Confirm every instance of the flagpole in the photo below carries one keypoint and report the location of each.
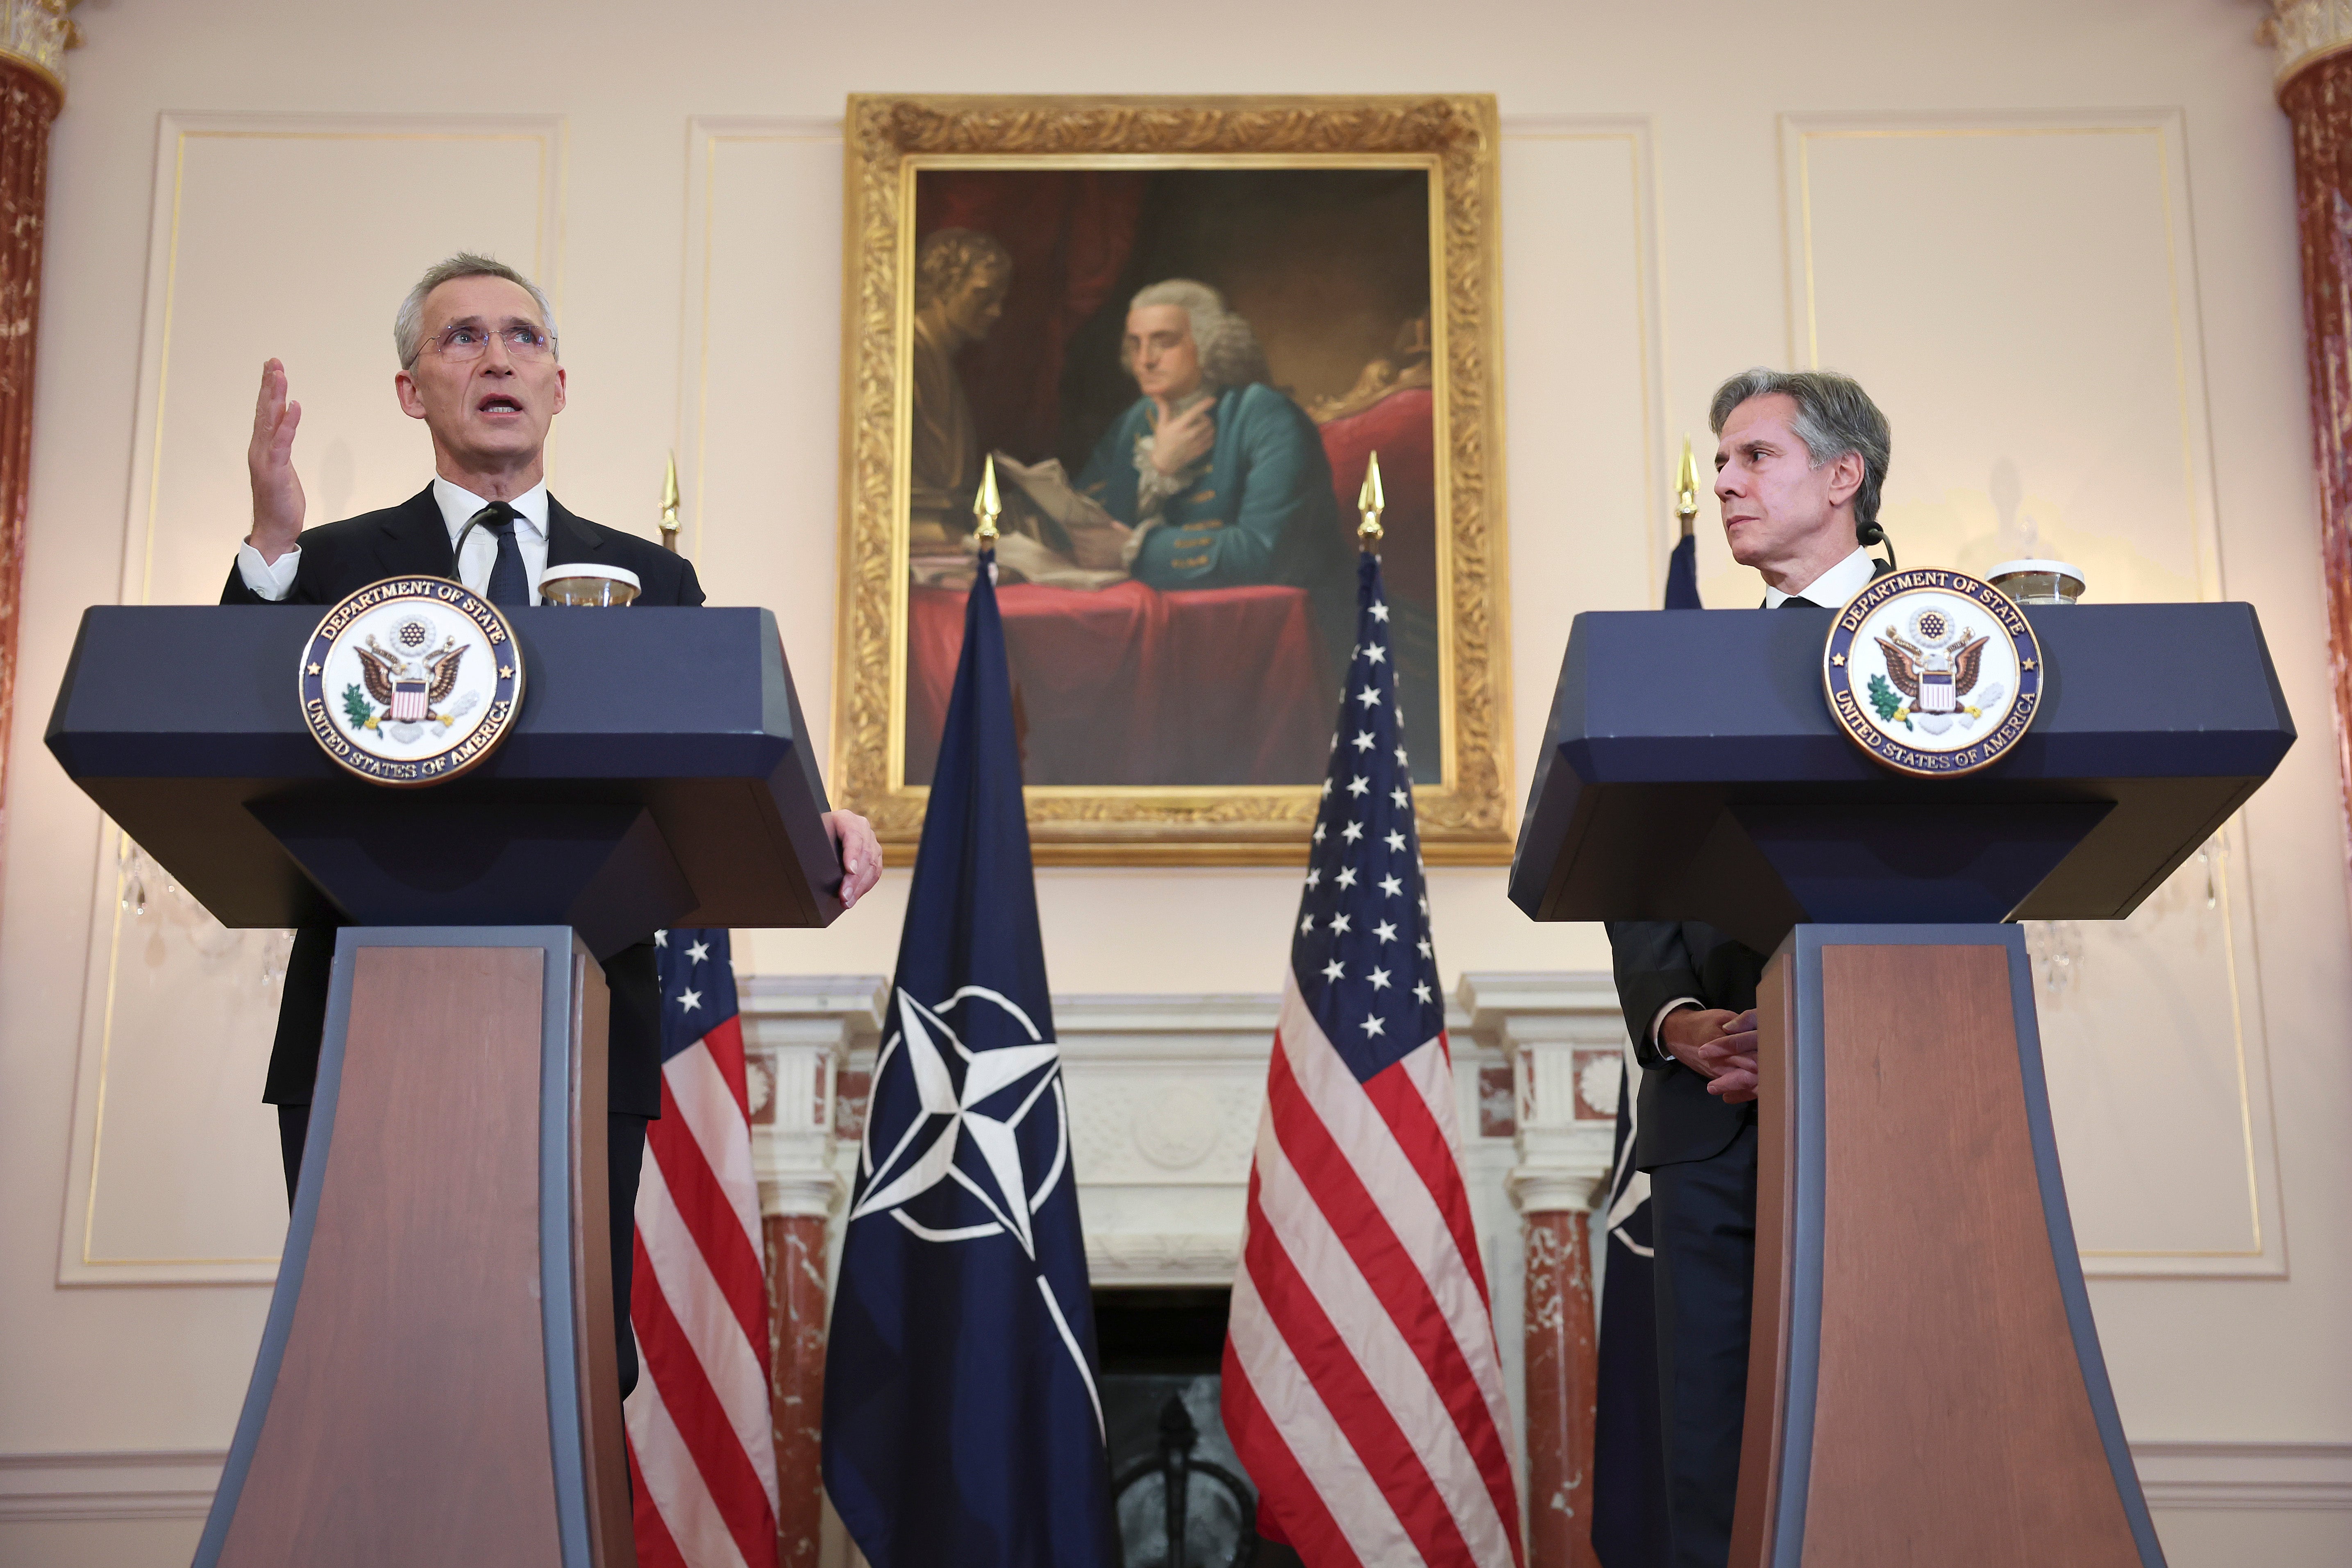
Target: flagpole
(1369, 504)
(1687, 488)
(986, 505)
(670, 506)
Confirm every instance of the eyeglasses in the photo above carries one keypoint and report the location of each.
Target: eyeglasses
(464, 343)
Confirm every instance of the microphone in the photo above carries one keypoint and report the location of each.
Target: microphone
(458, 550)
(1869, 533)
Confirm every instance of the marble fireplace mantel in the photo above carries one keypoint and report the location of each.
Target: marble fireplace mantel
(1165, 1097)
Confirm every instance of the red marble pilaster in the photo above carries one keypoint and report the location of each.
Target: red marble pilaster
(1561, 1377)
(2317, 99)
(29, 101)
(796, 1309)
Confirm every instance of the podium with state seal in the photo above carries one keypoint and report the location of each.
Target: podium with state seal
(485, 802)
(1874, 795)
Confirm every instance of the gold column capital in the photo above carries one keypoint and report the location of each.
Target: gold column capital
(36, 34)
(2301, 32)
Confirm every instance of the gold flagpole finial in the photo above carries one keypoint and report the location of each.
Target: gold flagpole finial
(1687, 487)
(670, 506)
(987, 506)
(1370, 503)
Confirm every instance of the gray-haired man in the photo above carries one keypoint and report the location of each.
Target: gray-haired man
(1799, 461)
(476, 346)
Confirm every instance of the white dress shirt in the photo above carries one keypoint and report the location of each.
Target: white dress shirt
(1832, 587)
(273, 580)
(1830, 590)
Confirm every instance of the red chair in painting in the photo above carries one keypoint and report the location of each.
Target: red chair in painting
(1401, 427)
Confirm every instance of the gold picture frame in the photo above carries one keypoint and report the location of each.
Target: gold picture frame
(1464, 815)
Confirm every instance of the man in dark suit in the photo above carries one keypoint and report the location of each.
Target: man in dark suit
(1798, 464)
(479, 365)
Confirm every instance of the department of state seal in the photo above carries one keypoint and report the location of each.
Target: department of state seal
(411, 681)
(1932, 672)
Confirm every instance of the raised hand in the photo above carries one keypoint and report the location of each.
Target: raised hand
(1179, 442)
(278, 503)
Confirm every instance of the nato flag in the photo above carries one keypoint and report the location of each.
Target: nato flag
(963, 1426)
(1629, 1464)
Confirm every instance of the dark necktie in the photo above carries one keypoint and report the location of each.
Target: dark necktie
(509, 585)
(1799, 602)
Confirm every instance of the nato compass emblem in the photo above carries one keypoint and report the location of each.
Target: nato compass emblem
(1932, 672)
(975, 1158)
(411, 681)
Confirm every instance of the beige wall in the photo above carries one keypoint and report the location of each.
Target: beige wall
(2058, 241)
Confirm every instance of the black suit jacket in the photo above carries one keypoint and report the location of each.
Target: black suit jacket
(413, 540)
(1656, 961)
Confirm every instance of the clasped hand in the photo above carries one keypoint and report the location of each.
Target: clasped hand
(1716, 1044)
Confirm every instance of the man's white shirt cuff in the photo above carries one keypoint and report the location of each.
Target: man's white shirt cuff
(1656, 1045)
(274, 579)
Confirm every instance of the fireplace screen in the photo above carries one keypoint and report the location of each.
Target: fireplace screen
(1182, 1497)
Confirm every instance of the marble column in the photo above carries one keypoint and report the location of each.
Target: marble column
(799, 1033)
(1564, 1041)
(2314, 40)
(34, 37)
(1560, 1380)
(796, 1309)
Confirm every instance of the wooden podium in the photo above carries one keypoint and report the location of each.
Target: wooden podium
(1925, 1383)
(435, 1382)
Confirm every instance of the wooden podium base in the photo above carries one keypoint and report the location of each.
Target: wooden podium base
(1925, 1386)
(435, 1382)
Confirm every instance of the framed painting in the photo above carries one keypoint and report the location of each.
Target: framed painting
(1181, 328)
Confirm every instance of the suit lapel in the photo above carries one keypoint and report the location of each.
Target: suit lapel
(416, 541)
(571, 541)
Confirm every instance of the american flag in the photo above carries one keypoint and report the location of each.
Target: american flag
(1362, 1384)
(702, 1455)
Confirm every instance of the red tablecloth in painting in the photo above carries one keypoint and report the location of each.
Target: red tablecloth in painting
(1133, 686)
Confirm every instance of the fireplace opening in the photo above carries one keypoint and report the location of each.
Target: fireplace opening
(1160, 1349)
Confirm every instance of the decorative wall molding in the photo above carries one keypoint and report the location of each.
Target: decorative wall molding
(2168, 1138)
(128, 1484)
(174, 1174)
(2307, 1477)
(2304, 1476)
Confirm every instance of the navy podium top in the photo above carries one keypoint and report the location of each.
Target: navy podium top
(1692, 771)
(659, 773)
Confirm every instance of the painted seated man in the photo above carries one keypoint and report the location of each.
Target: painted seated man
(961, 276)
(1222, 477)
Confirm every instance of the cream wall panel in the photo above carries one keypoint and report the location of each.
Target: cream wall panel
(294, 236)
(2020, 295)
(291, 237)
(176, 1175)
(1583, 411)
(2160, 1078)
(2024, 293)
(759, 384)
